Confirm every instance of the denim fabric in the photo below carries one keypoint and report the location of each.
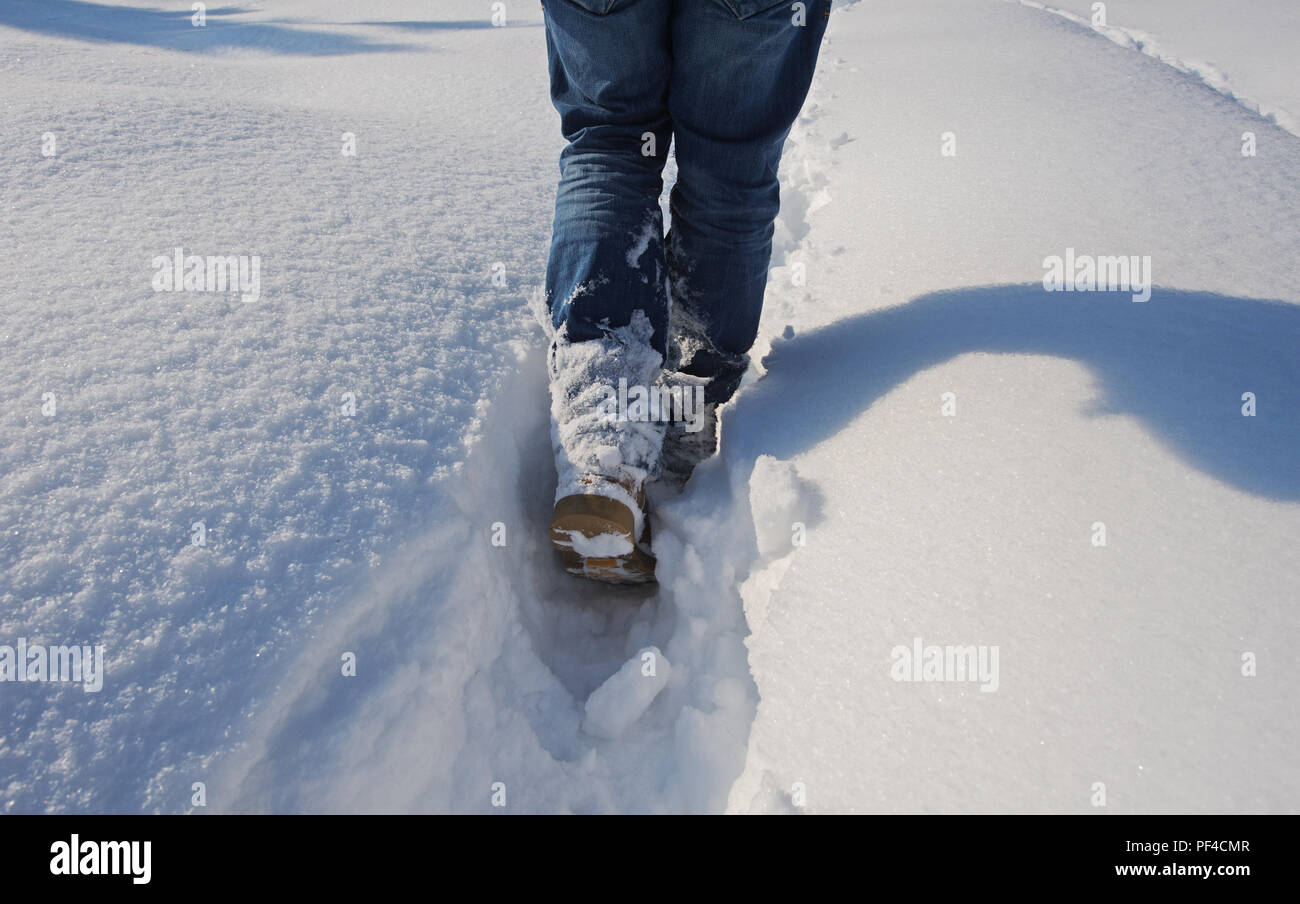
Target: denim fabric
(726, 79)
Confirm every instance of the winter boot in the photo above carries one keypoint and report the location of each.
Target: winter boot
(684, 448)
(603, 455)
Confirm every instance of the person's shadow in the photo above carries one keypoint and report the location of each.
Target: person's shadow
(172, 28)
(1180, 362)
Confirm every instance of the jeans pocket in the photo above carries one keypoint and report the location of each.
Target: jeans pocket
(599, 7)
(746, 8)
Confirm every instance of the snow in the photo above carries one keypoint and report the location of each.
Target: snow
(365, 449)
(781, 505)
(600, 546)
(1119, 664)
(1208, 38)
(617, 704)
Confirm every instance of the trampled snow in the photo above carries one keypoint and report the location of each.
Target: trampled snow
(240, 501)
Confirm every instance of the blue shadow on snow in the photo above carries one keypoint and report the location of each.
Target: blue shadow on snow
(1179, 363)
(172, 29)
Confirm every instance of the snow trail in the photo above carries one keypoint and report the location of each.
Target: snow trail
(515, 654)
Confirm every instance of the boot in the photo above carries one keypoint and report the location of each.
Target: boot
(683, 450)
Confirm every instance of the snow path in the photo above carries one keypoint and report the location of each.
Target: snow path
(483, 670)
(496, 675)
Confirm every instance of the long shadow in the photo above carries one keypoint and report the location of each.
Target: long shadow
(172, 28)
(1179, 362)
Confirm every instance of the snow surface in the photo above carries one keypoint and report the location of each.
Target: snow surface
(1244, 49)
(355, 441)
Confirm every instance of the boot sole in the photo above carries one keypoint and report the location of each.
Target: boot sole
(638, 567)
(592, 516)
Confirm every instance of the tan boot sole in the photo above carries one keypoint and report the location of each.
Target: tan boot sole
(591, 515)
(638, 567)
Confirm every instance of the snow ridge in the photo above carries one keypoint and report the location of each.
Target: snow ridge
(1213, 77)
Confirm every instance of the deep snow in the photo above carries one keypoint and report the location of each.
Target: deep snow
(355, 440)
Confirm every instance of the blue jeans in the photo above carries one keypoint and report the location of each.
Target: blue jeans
(725, 79)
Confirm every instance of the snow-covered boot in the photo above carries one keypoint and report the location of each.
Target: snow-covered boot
(696, 365)
(603, 456)
(685, 448)
(601, 535)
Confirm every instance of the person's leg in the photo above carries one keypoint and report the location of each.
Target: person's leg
(606, 280)
(609, 67)
(741, 73)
